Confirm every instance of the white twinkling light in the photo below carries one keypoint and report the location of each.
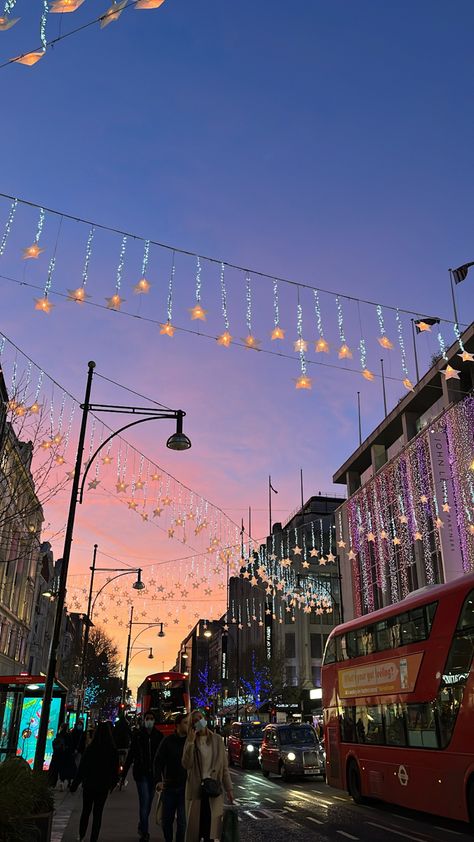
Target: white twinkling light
(276, 306)
(44, 18)
(198, 279)
(340, 320)
(118, 281)
(248, 297)
(224, 297)
(39, 228)
(8, 226)
(146, 252)
(442, 346)
(85, 270)
(170, 289)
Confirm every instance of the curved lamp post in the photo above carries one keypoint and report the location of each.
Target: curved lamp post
(177, 441)
(130, 647)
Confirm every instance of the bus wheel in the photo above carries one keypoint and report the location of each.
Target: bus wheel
(353, 782)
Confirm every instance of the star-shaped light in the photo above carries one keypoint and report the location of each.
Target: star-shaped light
(314, 552)
(139, 483)
(396, 541)
(466, 357)
(323, 560)
(446, 507)
(368, 375)
(198, 313)
(403, 519)
(35, 408)
(60, 460)
(106, 460)
(113, 13)
(341, 544)
(121, 486)
(170, 535)
(167, 329)
(300, 345)
(70, 475)
(304, 382)
(142, 287)
(20, 410)
(423, 327)
(385, 342)
(166, 501)
(46, 444)
(251, 342)
(471, 528)
(78, 295)
(7, 23)
(144, 516)
(32, 252)
(155, 477)
(371, 536)
(408, 384)
(43, 304)
(418, 536)
(345, 352)
(296, 550)
(305, 564)
(423, 498)
(149, 4)
(321, 346)
(60, 6)
(93, 484)
(450, 373)
(29, 59)
(439, 523)
(132, 504)
(384, 535)
(278, 333)
(57, 439)
(114, 302)
(224, 339)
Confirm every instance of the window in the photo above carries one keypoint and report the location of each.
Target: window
(330, 652)
(316, 645)
(395, 725)
(290, 672)
(290, 645)
(421, 725)
(369, 725)
(316, 676)
(456, 672)
(347, 721)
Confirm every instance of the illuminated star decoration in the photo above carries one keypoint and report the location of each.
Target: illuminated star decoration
(251, 342)
(278, 333)
(341, 544)
(32, 252)
(78, 295)
(114, 302)
(29, 59)
(408, 384)
(423, 498)
(143, 286)
(106, 460)
(60, 6)
(149, 4)
(224, 339)
(450, 373)
(314, 552)
(385, 342)
(93, 484)
(300, 345)
(423, 326)
(418, 536)
(368, 374)
(121, 486)
(345, 352)
(439, 523)
(132, 504)
(446, 507)
(43, 304)
(296, 550)
(167, 329)
(198, 313)
(304, 382)
(113, 13)
(7, 23)
(466, 357)
(321, 346)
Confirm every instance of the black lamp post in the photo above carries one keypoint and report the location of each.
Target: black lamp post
(177, 441)
(130, 646)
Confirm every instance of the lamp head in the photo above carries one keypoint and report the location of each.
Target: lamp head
(179, 441)
(208, 633)
(184, 655)
(138, 585)
(161, 632)
(150, 654)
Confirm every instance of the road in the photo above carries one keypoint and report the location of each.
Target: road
(277, 811)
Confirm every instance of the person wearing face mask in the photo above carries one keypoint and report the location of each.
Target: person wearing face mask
(205, 759)
(141, 755)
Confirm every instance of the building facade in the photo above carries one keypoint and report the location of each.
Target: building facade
(408, 521)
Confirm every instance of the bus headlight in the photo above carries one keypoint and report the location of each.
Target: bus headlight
(291, 755)
(250, 748)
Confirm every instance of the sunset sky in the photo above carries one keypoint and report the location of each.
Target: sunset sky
(329, 143)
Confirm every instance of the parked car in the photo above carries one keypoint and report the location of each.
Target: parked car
(291, 750)
(243, 743)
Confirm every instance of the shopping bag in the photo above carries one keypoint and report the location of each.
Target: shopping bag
(230, 826)
(159, 807)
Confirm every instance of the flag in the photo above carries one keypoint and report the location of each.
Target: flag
(425, 324)
(460, 274)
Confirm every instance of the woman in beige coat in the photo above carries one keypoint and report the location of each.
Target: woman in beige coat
(204, 756)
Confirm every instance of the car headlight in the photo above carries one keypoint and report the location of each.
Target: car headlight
(291, 755)
(250, 748)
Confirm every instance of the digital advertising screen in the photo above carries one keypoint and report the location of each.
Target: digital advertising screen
(29, 724)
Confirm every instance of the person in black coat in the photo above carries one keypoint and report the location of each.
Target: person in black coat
(141, 754)
(98, 773)
(171, 780)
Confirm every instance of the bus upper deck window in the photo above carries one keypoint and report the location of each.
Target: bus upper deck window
(330, 652)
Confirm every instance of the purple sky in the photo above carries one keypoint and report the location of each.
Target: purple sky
(329, 143)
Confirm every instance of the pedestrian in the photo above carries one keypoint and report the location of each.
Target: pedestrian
(122, 737)
(170, 775)
(205, 759)
(98, 773)
(57, 765)
(141, 755)
(66, 763)
(77, 739)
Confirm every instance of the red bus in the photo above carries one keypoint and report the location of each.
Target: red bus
(398, 697)
(166, 694)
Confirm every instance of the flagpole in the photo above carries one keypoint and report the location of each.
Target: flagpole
(383, 389)
(358, 413)
(270, 504)
(414, 350)
(454, 297)
(301, 485)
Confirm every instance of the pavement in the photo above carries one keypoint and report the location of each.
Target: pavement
(273, 811)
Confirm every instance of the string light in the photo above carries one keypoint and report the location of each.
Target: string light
(345, 352)
(80, 294)
(6, 22)
(225, 338)
(198, 312)
(167, 328)
(143, 285)
(113, 13)
(303, 381)
(250, 340)
(115, 301)
(406, 380)
(383, 339)
(277, 332)
(442, 346)
(64, 6)
(321, 346)
(44, 18)
(34, 250)
(363, 361)
(8, 226)
(44, 304)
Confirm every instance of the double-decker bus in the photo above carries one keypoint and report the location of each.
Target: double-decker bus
(398, 697)
(166, 694)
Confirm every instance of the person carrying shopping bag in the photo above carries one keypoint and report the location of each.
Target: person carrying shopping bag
(205, 759)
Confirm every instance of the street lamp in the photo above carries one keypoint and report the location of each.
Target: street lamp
(130, 646)
(148, 649)
(176, 442)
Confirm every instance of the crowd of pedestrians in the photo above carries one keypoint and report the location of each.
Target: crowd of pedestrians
(187, 768)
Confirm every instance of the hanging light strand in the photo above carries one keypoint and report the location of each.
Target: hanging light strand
(317, 310)
(39, 229)
(406, 380)
(85, 270)
(170, 289)
(224, 298)
(9, 6)
(442, 346)
(248, 297)
(44, 18)
(303, 381)
(121, 263)
(276, 306)
(8, 226)
(146, 252)
(198, 280)
(457, 333)
(340, 320)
